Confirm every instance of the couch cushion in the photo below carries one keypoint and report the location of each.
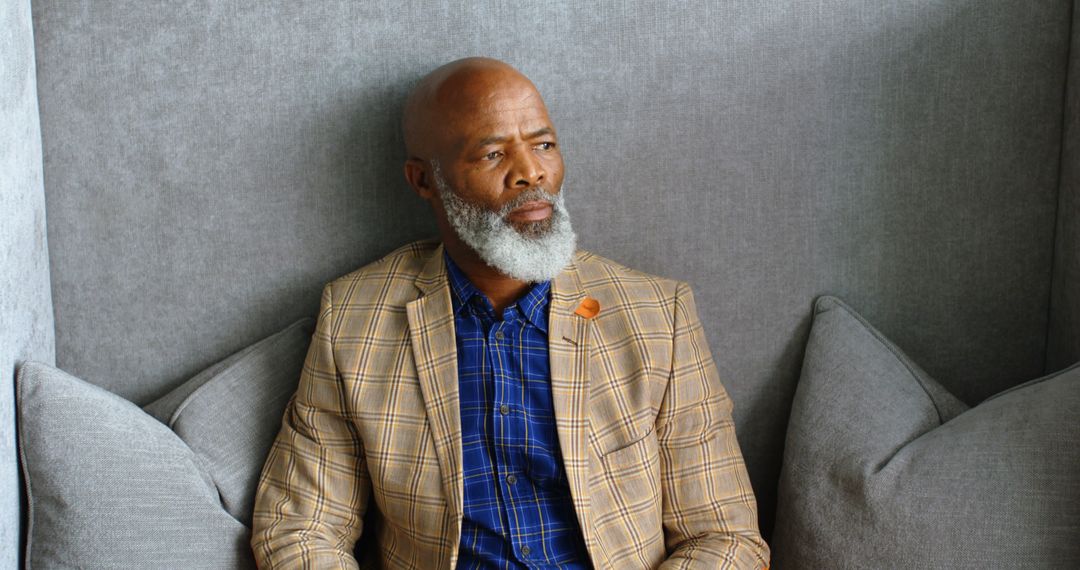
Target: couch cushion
(885, 469)
(110, 487)
(230, 413)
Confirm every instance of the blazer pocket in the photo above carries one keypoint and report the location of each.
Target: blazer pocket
(626, 496)
(642, 451)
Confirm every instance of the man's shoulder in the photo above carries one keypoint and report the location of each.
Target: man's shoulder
(394, 273)
(601, 276)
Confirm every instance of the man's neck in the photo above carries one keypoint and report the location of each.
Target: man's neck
(501, 291)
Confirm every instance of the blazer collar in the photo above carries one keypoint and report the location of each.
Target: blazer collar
(432, 276)
(569, 338)
(434, 347)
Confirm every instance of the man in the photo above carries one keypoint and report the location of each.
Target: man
(501, 400)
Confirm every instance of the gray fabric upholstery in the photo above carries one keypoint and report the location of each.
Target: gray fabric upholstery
(26, 314)
(885, 469)
(211, 166)
(1063, 342)
(111, 487)
(229, 414)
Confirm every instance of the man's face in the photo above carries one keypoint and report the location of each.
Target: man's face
(499, 143)
(499, 181)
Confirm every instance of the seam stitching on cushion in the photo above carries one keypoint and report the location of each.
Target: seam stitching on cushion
(1039, 380)
(897, 353)
(268, 341)
(1069, 81)
(23, 464)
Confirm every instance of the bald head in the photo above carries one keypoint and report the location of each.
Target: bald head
(450, 97)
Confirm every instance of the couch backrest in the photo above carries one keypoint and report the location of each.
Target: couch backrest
(26, 312)
(1063, 342)
(209, 167)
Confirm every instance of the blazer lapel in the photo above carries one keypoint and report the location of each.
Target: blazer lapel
(568, 352)
(431, 330)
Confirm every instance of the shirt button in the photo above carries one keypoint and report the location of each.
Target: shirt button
(525, 550)
(511, 479)
(498, 335)
(504, 409)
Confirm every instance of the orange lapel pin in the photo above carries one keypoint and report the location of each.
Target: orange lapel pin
(588, 308)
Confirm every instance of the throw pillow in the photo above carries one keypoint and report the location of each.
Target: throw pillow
(230, 414)
(125, 491)
(883, 468)
(108, 486)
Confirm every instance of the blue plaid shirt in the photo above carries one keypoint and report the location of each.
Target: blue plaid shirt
(518, 511)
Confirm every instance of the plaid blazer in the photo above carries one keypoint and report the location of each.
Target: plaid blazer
(644, 426)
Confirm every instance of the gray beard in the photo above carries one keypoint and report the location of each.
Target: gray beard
(531, 252)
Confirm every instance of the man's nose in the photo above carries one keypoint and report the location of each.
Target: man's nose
(526, 170)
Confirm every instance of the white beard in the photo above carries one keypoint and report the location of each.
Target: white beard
(537, 252)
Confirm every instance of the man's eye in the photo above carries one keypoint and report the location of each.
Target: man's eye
(492, 155)
(546, 145)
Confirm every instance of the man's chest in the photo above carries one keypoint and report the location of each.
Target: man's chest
(625, 377)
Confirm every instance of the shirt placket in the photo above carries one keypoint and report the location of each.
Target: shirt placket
(509, 428)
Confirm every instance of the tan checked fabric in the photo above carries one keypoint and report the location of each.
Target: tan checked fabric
(645, 426)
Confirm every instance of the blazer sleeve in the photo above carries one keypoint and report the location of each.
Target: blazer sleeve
(709, 510)
(314, 487)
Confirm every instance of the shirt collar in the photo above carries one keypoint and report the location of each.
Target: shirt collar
(533, 304)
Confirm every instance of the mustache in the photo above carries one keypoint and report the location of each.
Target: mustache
(534, 194)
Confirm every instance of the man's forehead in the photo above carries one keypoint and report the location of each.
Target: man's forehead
(486, 123)
(469, 100)
(487, 91)
(498, 112)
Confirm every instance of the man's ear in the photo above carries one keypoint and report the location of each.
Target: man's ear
(419, 177)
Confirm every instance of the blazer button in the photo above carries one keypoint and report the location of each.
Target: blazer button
(504, 409)
(511, 479)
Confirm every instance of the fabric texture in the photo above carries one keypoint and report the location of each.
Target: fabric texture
(26, 308)
(517, 506)
(644, 425)
(229, 414)
(883, 468)
(1063, 342)
(109, 486)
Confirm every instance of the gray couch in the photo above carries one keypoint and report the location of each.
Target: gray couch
(178, 180)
